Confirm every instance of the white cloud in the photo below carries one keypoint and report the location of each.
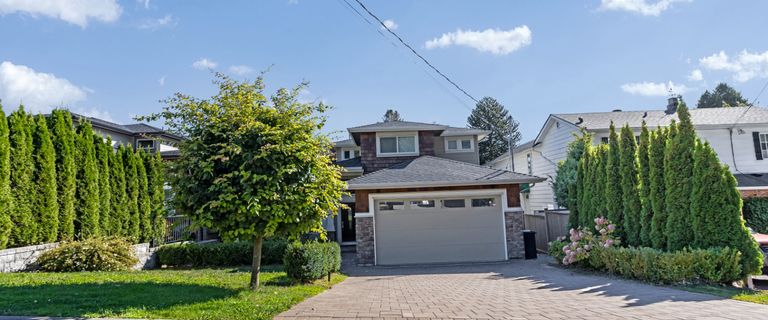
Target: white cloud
(746, 66)
(77, 12)
(167, 21)
(145, 3)
(204, 64)
(94, 112)
(643, 7)
(696, 75)
(240, 70)
(38, 91)
(161, 81)
(390, 24)
(499, 42)
(653, 89)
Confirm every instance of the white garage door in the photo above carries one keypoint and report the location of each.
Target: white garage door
(439, 230)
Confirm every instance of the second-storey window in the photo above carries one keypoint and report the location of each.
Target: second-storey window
(529, 159)
(398, 144)
(463, 144)
(764, 144)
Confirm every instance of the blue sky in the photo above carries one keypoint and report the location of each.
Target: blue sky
(117, 58)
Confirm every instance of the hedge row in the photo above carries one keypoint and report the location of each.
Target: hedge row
(59, 182)
(312, 260)
(756, 214)
(220, 254)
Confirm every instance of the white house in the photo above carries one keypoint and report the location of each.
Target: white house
(739, 135)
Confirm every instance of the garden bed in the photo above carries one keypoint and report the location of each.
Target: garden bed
(167, 294)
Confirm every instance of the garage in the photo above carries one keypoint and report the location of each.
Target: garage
(419, 230)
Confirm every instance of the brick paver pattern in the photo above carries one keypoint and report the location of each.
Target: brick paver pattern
(517, 289)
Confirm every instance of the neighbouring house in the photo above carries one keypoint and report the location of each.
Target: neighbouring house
(137, 135)
(739, 135)
(419, 195)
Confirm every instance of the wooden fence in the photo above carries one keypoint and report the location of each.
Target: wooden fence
(549, 225)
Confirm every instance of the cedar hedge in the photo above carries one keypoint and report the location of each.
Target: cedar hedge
(227, 254)
(756, 214)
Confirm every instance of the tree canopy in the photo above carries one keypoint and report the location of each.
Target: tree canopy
(252, 166)
(392, 115)
(722, 97)
(490, 115)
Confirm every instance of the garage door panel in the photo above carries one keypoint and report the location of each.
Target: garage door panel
(438, 236)
(439, 254)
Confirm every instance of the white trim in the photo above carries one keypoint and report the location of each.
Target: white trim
(458, 140)
(363, 215)
(366, 186)
(396, 134)
(752, 188)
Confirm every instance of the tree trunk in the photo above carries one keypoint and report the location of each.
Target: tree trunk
(256, 265)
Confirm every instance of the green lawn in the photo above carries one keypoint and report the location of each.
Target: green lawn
(760, 297)
(168, 294)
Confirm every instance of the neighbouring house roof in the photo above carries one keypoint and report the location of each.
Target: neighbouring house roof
(453, 131)
(429, 171)
(654, 118)
(136, 129)
(345, 143)
(752, 180)
(170, 154)
(518, 148)
(350, 163)
(397, 126)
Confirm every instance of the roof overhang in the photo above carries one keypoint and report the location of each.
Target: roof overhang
(408, 128)
(426, 184)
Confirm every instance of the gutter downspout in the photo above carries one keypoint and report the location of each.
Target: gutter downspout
(733, 154)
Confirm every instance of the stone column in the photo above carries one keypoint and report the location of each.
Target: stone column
(364, 235)
(513, 221)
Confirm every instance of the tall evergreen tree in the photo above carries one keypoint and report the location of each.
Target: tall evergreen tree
(678, 172)
(391, 115)
(597, 179)
(22, 172)
(490, 115)
(103, 150)
(6, 200)
(156, 178)
(613, 192)
(87, 206)
(565, 180)
(644, 162)
(657, 157)
(587, 187)
(118, 207)
(132, 194)
(145, 206)
(46, 204)
(63, 136)
(629, 186)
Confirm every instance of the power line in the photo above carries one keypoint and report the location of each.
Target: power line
(414, 51)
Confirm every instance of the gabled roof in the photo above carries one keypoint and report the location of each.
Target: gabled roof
(127, 129)
(397, 126)
(454, 131)
(429, 171)
(748, 180)
(654, 118)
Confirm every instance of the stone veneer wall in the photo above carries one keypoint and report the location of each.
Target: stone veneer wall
(513, 221)
(24, 258)
(364, 236)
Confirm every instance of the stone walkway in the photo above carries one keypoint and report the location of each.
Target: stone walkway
(517, 289)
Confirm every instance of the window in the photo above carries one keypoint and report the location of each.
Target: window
(604, 140)
(346, 155)
(357, 153)
(462, 144)
(422, 204)
(398, 144)
(529, 159)
(453, 203)
(349, 153)
(391, 205)
(484, 202)
(764, 144)
(145, 144)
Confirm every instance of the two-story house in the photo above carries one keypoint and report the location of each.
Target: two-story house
(137, 136)
(419, 195)
(739, 135)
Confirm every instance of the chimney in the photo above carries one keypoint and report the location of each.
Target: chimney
(671, 105)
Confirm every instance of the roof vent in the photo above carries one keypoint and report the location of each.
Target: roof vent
(616, 110)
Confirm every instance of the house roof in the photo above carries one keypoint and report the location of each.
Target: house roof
(143, 128)
(429, 171)
(344, 143)
(350, 163)
(397, 126)
(655, 118)
(518, 148)
(128, 129)
(747, 180)
(454, 131)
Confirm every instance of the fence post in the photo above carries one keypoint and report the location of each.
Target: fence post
(546, 226)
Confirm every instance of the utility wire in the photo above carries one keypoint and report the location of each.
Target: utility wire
(415, 52)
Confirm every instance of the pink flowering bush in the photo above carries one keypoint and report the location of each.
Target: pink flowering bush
(583, 241)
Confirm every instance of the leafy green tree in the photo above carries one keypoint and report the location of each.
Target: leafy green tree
(87, 199)
(657, 155)
(133, 224)
(6, 200)
(722, 97)
(103, 150)
(490, 115)
(565, 180)
(391, 115)
(63, 136)
(22, 172)
(117, 205)
(629, 186)
(678, 172)
(145, 206)
(613, 192)
(644, 162)
(253, 166)
(46, 204)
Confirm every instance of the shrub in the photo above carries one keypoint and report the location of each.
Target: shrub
(96, 254)
(716, 265)
(756, 214)
(219, 254)
(583, 241)
(556, 249)
(309, 261)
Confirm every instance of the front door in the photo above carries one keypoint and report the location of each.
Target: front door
(348, 224)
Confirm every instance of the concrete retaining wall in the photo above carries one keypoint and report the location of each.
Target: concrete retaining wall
(24, 258)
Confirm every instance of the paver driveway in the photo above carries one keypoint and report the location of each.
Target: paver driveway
(517, 289)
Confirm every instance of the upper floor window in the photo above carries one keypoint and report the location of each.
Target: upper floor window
(604, 140)
(529, 159)
(461, 144)
(397, 144)
(145, 144)
(764, 144)
(349, 153)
